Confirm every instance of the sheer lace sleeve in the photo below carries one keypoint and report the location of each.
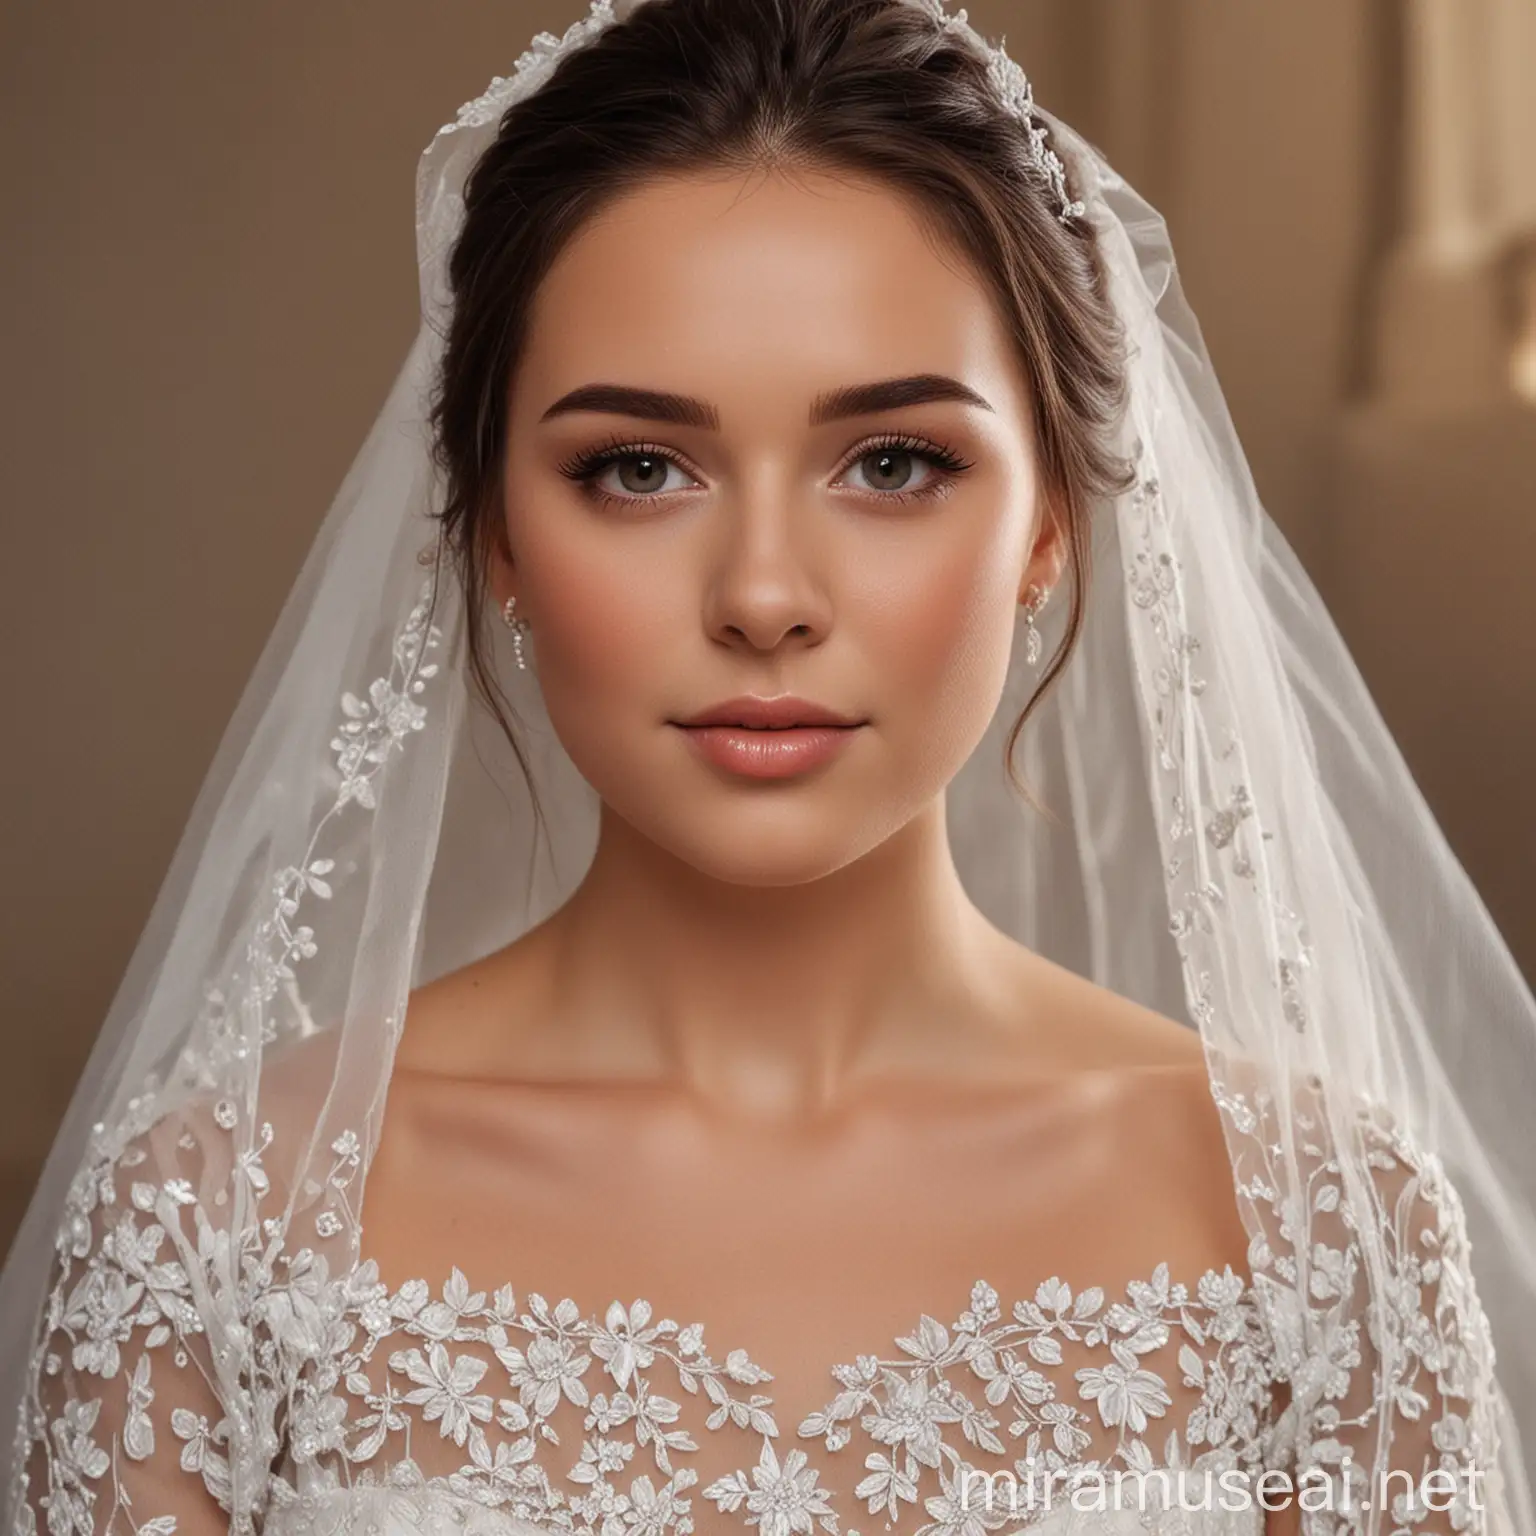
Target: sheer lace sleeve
(1387, 1379)
(145, 1413)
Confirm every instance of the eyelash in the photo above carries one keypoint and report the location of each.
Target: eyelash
(946, 461)
(585, 468)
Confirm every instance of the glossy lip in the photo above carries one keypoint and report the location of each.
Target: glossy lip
(759, 738)
(784, 713)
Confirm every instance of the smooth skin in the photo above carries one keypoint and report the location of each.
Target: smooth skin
(769, 1067)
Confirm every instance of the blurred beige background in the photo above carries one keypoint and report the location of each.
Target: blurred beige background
(208, 280)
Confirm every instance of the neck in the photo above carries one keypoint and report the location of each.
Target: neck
(770, 997)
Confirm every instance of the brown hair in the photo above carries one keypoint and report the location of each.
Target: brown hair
(875, 87)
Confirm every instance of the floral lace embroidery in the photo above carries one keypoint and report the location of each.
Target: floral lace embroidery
(238, 1014)
(1423, 1362)
(547, 1354)
(534, 66)
(902, 1403)
(1387, 1372)
(1017, 94)
(114, 1284)
(338, 1379)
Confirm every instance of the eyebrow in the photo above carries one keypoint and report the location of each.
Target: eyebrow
(649, 404)
(835, 405)
(891, 395)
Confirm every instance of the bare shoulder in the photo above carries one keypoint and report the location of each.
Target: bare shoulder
(1156, 1170)
(1073, 1022)
(1135, 1120)
(1158, 1091)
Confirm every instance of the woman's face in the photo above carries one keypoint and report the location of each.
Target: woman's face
(772, 502)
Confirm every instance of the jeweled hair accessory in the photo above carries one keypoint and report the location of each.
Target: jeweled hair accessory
(1017, 95)
(1012, 86)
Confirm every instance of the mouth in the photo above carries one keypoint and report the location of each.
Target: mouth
(760, 738)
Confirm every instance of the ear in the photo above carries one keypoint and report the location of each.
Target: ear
(500, 579)
(500, 570)
(1048, 559)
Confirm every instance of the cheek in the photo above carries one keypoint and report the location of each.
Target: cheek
(962, 625)
(603, 606)
(946, 629)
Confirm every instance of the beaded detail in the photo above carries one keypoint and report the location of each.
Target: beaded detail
(176, 1346)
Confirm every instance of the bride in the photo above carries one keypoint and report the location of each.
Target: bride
(810, 844)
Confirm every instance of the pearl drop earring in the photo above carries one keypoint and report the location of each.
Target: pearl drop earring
(1034, 642)
(519, 628)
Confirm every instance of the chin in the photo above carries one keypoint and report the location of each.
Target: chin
(772, 846)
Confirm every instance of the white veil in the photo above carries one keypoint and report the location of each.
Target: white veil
(1235, 840)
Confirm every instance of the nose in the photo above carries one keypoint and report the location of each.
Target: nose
(767, 589)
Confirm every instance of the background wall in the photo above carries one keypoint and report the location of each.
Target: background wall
(208, 281)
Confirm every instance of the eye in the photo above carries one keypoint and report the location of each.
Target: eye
(629, 472)
(903, 467)
(893, 469)
(641, 474)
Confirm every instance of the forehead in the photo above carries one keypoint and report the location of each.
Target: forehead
(795, 282)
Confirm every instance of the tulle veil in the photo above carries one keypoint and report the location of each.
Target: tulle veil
(1236, 841)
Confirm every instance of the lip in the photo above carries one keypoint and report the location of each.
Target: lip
(784, 713)
(759, 738)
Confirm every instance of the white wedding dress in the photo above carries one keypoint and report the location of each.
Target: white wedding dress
(202, 1368)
